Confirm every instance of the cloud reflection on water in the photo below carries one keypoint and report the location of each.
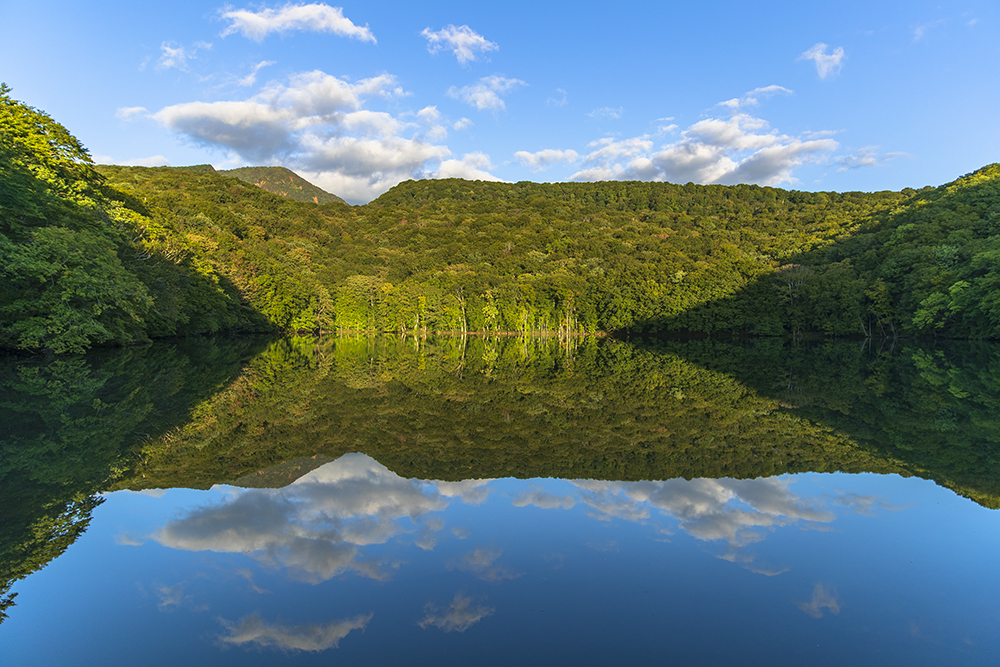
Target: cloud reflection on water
(256, 631)
(318, 526)
(459, 617)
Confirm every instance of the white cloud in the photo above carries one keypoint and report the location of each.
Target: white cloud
(316, 17)
(314, 637)
(128, 113)
(471, 167)
(545, 158)
(318, 125)
(463, 41)
(826, 63)
(177, 57)
(753, 98)
(459, 617)
(735, 148)
(431, 119)
(865, 157)
(607, 112)
(559, 100)
(462, 124)
(251, 78)
(485, 94)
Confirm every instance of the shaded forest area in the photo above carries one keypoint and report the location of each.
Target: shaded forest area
(98, 255)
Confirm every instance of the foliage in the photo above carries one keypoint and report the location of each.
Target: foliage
(480, 407)
(114, 255)
(284, 182)
(927, 267)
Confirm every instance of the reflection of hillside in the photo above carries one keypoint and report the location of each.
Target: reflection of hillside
(460, 408)
(934, 409)
(69, 426)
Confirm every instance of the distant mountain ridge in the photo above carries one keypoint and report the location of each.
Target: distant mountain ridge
(284, 182)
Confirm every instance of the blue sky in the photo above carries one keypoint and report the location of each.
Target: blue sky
(357, 96)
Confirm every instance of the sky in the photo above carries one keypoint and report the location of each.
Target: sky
(359, 96)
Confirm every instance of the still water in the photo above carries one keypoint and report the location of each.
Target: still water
(499, 501)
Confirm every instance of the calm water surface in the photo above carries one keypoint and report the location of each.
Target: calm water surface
(377, 501)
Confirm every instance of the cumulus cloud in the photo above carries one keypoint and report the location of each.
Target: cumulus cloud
(318, 125)
(735, 147)
(315, 527)
(485, 93)
(459, 617)
(315, 637)
(545, 158)
(472, 167)
(177, 56)
(462, 124)
(251, 78)
(431, 118)
(463, 41)
(316, 17)
(826, 63)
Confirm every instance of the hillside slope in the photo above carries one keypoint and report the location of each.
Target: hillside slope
(284, 182)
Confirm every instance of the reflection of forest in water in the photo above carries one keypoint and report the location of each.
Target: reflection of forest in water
(263, 413)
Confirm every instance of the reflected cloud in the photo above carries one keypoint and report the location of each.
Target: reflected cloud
(822, 599)
(313, 637)
(315, 526)
(538, 497)
(865, 505)
(248, 575)
(481, 563)
(171, 596)
(708, 509)
(459, 617)
(469, 491)
(426, 538)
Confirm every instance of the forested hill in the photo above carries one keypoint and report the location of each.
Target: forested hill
(284, 182)
(113, 255)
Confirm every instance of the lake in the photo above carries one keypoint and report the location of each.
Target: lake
(400, 500)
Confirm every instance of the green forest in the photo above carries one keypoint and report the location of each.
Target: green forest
(108, 255)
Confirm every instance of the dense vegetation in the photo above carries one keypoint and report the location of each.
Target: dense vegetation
(477, 407)
(284, 182)
(97, 255)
